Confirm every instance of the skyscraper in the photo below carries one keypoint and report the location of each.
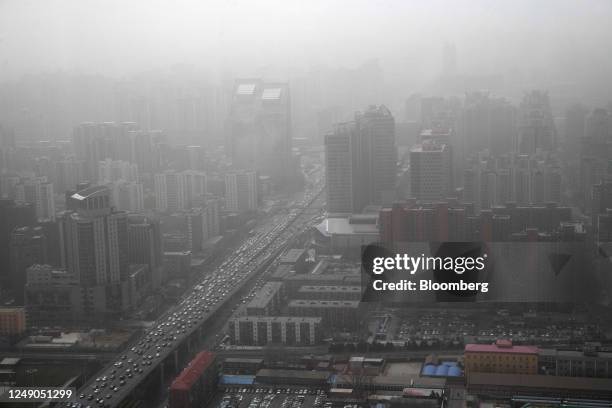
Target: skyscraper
(114, 170)
(241, 191)
(27, 247)
(94, 239)
(68, 173)
(536, 126)
(93, 142)
(376, 128)
(179, 190)
(361, 161)
(259, 128)
(341, 164)
(430, 171)
(169, 191)
(145, 245)
(12, 215)
(39, 192)
(127, 196)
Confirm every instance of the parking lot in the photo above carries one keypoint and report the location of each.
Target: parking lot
(271, 397)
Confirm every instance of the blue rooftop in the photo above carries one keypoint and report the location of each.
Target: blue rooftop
(237, 380)
(444, 369)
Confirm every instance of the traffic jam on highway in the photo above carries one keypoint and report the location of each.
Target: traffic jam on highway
(116, 380)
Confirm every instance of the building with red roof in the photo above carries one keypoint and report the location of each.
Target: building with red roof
(500, 357)
(196, 384)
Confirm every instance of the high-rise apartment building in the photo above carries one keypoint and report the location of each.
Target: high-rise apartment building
(114, 170)
(176, 191)
(536, 127)
(430, 171)
(241, 191)
(487, 123)
(12, 215)
(94, 239)
(145, 245)
(39, 192)
(68, 173)
(524, 179)
(127, 196)
(93, 142)
(28, 246)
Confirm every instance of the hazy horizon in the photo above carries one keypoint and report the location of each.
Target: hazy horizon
(561, 41)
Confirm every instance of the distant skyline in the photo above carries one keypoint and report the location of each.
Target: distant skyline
(555, 39)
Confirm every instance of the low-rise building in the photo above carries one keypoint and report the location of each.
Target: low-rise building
(339, 314)
(500, 357)
(573, 363)
(12, 321)
(336, 292)
(267, 300)
(262, 330)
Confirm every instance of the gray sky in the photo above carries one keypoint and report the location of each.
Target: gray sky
(118, 37)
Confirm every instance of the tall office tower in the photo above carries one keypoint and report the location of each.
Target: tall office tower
(430, 171)
(127, 196)
(376, 129)
(12, 215)
(170, 191)
(596, 152)
(487, 123)
(341, 163)
(213, 219)
(114, 170)
(241, 191)
(259, 128)
(361, 161)
(93, 142)
(28, 246)
(39, 192)
(94, 239)
(536, 127)
(68, 173)
(145, 245)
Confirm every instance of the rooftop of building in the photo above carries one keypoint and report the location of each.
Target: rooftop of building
(575, 354)
(332, 289)
(353, 304)
(193, 371)
(500, 346)
(265, 295)
(280, 319)
(293, 255)
(90, 192)
(348, 278)
(539, 381)
(301, 374)
(428, 146)
(344, 226)
(243, 360)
